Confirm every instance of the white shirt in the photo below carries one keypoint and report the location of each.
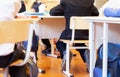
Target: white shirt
(42, 8)
(9, 9)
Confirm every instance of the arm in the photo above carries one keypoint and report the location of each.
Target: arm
(11, 8)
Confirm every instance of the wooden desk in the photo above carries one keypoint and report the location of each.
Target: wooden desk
(50, 26)
(106, 27)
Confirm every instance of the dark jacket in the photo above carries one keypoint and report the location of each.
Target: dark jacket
(75, 8)
(57, 11)
(36, 5)
(23, 7)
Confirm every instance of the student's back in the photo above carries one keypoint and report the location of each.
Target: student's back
(76, 8)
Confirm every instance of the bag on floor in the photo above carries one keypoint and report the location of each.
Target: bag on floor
(113, 61)
(31, 69)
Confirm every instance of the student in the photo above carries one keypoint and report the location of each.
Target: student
(70, 8)
(8, 52)
(35, 5)
(23, 7)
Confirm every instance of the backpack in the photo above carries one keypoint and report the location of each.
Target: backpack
(113, 61)
(31, 68)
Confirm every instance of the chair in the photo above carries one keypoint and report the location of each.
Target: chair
(13, 31)
(76, 23)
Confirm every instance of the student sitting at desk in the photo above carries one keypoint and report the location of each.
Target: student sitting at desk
(8, 52)
(70, 8)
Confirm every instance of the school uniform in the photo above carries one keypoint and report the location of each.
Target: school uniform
(74, 8)
(7, 52)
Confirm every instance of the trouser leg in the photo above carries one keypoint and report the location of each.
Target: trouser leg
(18, 71)
(5, 61)
(81, 51)
(46, 42)
(61, 47)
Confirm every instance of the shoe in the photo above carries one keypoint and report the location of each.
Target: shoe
(87, 59)
(64, 61)
(46, 51)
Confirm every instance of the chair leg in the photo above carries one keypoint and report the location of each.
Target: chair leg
(67, 71)
(6, 72)
(34, 59)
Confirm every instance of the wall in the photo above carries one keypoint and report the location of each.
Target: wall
(51, 4)
(99, 3)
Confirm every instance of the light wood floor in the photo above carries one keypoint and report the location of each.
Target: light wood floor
(53, 66)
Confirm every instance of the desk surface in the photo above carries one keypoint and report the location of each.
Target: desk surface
(103, 19)
(114, 26)
(48, 26)
(51, 16)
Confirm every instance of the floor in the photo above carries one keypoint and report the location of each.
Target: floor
(53, 65)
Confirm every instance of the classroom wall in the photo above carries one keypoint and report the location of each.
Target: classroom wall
(99, 3)
(52, 3)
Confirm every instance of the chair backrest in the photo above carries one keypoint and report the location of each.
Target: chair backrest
(17, 30)
(77, 23)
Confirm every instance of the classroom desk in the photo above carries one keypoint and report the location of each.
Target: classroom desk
(50, 26)
(102, 30)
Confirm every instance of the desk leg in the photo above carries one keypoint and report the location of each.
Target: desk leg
(92, 48)
(52, 50)
(105, 49)
(35, 28)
